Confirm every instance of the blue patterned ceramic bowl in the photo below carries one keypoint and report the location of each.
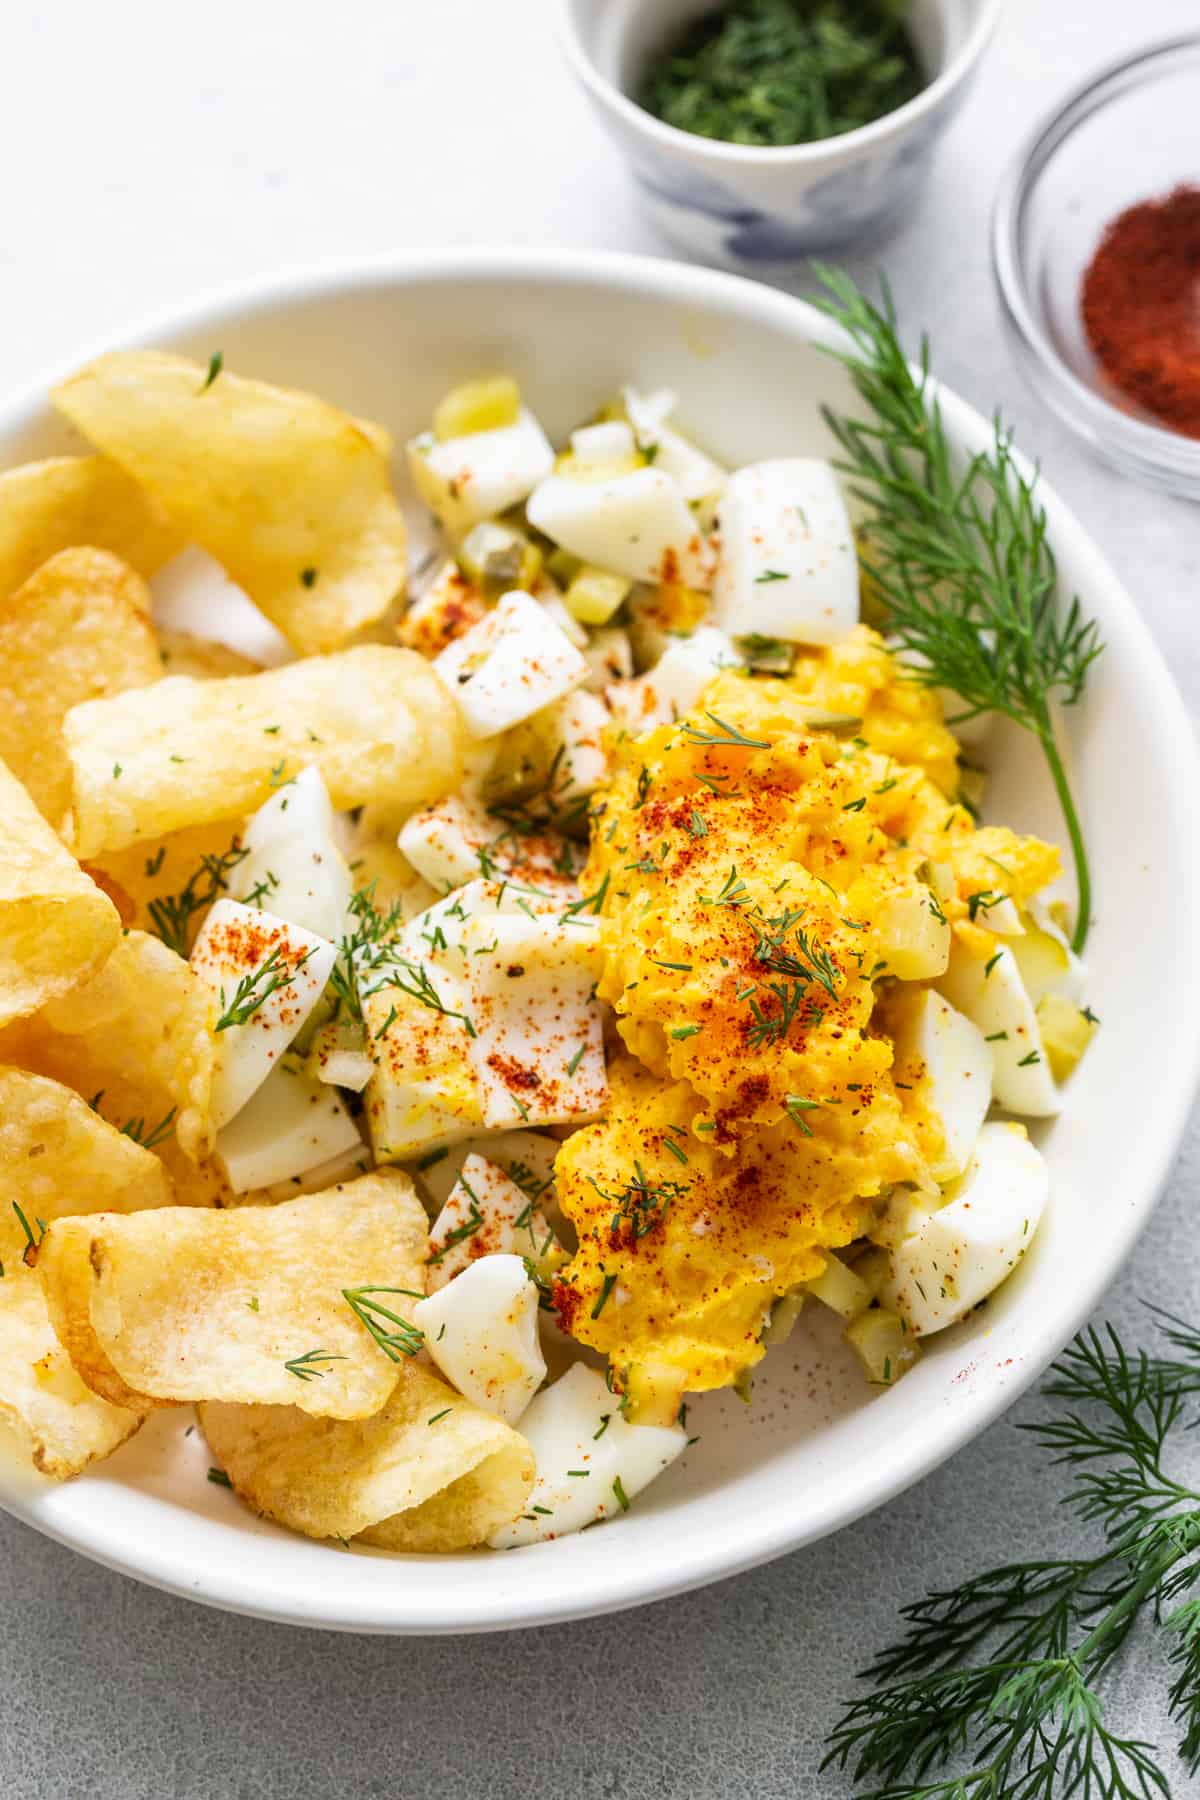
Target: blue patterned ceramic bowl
(738, 205)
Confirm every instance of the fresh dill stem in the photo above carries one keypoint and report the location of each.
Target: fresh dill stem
(149, 1139)
(995, 1690)
(171, 915)
(305, 1367)
(255, 989)
(959, 555)
(395, 1336)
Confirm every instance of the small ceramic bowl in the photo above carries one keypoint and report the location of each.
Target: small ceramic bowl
(740, 205)
(1128, 134)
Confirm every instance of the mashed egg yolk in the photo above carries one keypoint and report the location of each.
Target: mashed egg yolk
(763, 870)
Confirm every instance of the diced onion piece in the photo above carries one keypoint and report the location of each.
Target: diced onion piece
(637, 525)
(241, 947)
(993, 996)
(883, 1344)
(338, 1056)
(488, 404)
(787, 566)
(481, 1330)
(293, 865)
(951, 1259)
(590, 1462)
(509, 666)
(476, 475)
(292, 1125)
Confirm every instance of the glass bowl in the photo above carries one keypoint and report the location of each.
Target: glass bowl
(1128, 135)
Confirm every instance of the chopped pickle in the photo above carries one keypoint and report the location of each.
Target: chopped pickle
(883, 1346)
(840, 1288)
(484, 405)
(784, 1313)
(562, 567)
(872, 1268)
(766, 655)
(608, 468)
(594, 595)
(1066, 1033)
(496, 558)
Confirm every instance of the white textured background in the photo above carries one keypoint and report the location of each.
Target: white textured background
(148, 151)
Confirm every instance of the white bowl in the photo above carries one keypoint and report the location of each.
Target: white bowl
(816, 1448)
(738, 204)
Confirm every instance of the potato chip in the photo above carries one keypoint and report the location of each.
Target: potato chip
(56, 927)
(78, 629)
(55, 505)
(64, 1269)
(428, 1472)
(61, 1424)
(136, 1038)
(163, 885)
(204, 658)
(247, 1305)
(291, 496)
(58, 1157)
(375, 720)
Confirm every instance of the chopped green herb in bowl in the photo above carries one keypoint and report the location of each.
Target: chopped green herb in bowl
(781, 72)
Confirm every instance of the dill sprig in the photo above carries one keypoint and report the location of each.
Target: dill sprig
(395, 1336)
(359, 949)
(959, 555)
(639, 1204)
(149, 1137)
(996, 1691)
(171, 915)
(255, 989)
(304, 1368)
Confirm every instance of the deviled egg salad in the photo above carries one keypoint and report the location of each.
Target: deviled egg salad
(705, 997)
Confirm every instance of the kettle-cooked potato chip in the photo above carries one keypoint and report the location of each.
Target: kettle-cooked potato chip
(291, 496)
(375, 720)
(428, 1472)
(61, 1423)
(204, 658)
(58, 1157)
(136, 1039)
(78, 629)
(54, 505)
(56, 926)
(163, 885)
(247, 1305)
(64, 1269)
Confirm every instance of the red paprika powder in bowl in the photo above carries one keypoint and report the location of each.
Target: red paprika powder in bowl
(1096, 251)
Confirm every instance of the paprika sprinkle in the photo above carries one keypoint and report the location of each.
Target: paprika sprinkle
(1141, 307)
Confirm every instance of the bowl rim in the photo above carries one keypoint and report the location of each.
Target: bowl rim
(1148, 451)
(509, 1602)
(800, 156)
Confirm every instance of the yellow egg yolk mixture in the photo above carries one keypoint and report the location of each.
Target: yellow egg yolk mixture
(765, 871)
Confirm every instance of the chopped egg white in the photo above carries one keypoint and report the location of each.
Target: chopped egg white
(485, 1214)
(508, 667)
(266, 976)
(481, 1329)
(291, 1125)
(637, 525)
(293, 865)
(993, 996)
(457, 840)
(950, 1259)
(464, 480)
(698, 477)
(605, 443)
(957, 1065)
(787, 566)
(526, 1157)
(675, 683)
(482, 1018)
(590, 1462)
(609, 657)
